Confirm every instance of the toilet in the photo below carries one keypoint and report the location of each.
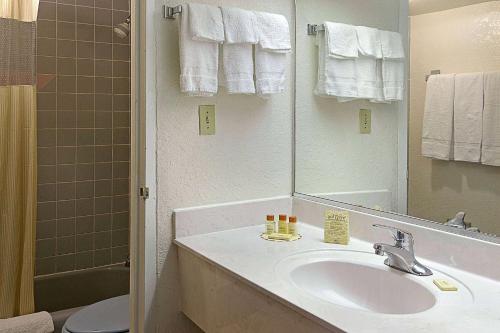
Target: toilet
(108, 316)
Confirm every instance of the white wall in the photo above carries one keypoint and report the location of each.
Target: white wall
(331, 154)
(249, 157)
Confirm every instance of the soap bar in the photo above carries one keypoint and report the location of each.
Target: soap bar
(279, 236)
(444, 285)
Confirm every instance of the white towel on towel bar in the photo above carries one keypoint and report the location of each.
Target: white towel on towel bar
(392, 45)
(199, 61)
(270, 71)
(273, 32)
(369, 43)
(490, 153)
(205, 23)
(270, 53)
(468, 117)
(239, 26)
(238, 68)
(237, 51)
(393, 65)
(341, 40)
(336, 77)
(437, 126)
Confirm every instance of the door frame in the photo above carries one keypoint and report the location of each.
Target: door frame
(143, 240)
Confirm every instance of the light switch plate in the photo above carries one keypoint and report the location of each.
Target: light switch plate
(365, 121)
(207, 119)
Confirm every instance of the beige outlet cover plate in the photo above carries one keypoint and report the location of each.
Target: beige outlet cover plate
(365, 121)
(207, 119)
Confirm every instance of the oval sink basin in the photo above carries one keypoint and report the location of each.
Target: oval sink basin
(360, 281)
(363, 287)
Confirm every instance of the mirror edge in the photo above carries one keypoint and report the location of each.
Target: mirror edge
(389, 215)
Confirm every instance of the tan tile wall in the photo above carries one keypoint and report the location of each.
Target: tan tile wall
(83, 135)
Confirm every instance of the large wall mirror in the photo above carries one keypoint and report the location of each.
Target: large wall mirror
(407, 120)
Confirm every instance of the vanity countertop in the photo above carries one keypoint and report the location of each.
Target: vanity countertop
(243, 254)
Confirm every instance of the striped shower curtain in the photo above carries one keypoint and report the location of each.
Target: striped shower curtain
(17, 155)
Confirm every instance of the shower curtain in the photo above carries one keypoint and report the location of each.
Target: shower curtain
(17, 155)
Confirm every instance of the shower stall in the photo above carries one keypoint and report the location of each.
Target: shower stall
(65, 152)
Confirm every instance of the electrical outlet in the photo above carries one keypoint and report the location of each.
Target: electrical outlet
(365, 121)
(207, 119)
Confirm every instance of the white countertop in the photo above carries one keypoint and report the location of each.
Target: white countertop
(243, 254)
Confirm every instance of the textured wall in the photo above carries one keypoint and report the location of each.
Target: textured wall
(249, 157)
(459, 40)
(331, 154)
(83, 135)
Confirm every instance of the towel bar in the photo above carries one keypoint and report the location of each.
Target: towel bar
(433, 72)
(312, 29)
(170, 12)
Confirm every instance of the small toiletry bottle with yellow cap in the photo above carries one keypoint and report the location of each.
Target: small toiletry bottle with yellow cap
(270, 224)
(282, 225)
(292, 226)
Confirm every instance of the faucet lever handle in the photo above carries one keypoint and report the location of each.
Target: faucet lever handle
(400, 236)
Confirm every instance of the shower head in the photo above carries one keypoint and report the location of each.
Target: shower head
(122, 30)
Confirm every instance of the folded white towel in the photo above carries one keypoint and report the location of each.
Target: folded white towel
(40, 322)
(490, 154)
(273, 32)
(336, 77)
(237, 63)
(270, 70)
(393, 79)
(393, 66)
(237, 51)
(199, 61)
(369, 43)
(438, 117)
(468, 117)
(239, 26)
(205, 23)
(379, 96)
(368, 82)
(341, 40)
(392, 45)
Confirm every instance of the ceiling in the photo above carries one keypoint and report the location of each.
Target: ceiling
(418, 7)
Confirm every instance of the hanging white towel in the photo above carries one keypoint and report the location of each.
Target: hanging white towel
(393, 65)
(379, 95)
(205, 23)
(239, 26)
(199, 61)
(468, 117)
(336, 77)
(369, 43)
(341, 40)
(237, 50)
(270, 71)
(438, 117)
(273, 32)
(393, 79)
(490, 154)
(237, 63)
(270, 53)
(392, 45)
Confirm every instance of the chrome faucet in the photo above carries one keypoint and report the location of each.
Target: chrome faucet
(400, 255)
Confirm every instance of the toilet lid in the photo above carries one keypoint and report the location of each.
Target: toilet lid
(108, 316)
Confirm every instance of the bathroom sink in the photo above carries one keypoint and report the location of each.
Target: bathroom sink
(360, 281)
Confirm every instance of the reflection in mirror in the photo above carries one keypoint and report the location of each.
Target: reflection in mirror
(374, 128)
